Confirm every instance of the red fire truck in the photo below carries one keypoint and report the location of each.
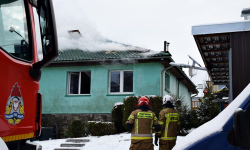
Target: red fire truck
(20, 68)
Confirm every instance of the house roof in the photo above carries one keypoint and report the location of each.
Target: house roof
(213, 42)
(80, 55)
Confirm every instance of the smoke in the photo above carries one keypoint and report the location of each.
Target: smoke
(75, 19)
(71, 16)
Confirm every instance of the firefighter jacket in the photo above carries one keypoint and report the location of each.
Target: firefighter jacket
(143, 122)
(170, 124)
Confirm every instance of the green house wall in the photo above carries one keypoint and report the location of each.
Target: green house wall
(181, 91)
(53, 86)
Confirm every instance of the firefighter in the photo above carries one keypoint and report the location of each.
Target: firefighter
(169, 120)
(142, 121)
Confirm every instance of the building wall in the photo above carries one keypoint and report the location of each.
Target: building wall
(240, 61)
(53, 86)
(183, 90)
(185, 95)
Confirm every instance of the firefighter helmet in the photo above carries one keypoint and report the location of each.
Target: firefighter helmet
(144, 101)
(166, 99)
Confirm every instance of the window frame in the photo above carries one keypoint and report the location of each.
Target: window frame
(199, 86)
(121, 82)
(79, 82)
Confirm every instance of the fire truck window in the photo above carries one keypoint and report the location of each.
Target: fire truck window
(14, 37)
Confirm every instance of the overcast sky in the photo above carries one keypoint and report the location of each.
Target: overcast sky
(145, 23)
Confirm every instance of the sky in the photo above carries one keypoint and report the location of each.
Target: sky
(142, 23)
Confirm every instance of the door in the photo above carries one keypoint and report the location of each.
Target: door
(18, 91)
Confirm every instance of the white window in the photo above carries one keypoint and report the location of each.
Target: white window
(79, 83)
(121, 82)
(200, 86)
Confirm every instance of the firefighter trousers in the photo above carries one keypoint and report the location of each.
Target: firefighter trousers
(142, 146)
(166, 145)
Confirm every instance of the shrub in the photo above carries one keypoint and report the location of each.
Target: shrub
(101, 128)
(117, 116)
(207, 111)
(185, 116)
(130, 104)
(76, 129)
(155, 104)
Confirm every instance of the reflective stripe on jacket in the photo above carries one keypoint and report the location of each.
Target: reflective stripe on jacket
(143, 122)
(170, 123)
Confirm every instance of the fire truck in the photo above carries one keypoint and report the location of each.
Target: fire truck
(20, 69)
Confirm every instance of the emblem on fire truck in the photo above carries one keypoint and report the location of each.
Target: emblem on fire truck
(15, 107)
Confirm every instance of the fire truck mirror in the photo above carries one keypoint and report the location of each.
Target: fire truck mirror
(48, 32)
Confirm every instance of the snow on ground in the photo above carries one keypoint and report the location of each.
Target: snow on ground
(107, 142)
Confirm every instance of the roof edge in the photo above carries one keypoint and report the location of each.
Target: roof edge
(221, 28)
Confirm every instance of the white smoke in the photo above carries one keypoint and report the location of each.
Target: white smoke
(75, 19)
(70, 16)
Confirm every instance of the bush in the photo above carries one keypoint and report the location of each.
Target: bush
(117, 116)
(207, 111)
(130, 104)
(76, 129)
(188, 118)
(101, 128)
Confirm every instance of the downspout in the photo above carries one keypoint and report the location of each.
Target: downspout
(161, 92)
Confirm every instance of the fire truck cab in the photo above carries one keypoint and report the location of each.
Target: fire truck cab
(20, 68)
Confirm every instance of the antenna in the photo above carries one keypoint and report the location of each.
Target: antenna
(194, 61)
(191, 67)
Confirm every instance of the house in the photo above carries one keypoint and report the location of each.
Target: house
(225, 50)
(86, 84)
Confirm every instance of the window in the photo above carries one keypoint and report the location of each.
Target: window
(121, 82)
(200, 86)
(14, 30)
(79, 83)
(167, 81)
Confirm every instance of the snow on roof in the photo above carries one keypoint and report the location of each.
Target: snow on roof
(214, 125)
(221, 27)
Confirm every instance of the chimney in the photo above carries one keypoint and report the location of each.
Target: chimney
(246, 13)
(166, 46)
(75, 34)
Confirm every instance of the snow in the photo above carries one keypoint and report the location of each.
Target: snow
(107, 142)
(214, 125)
(118, 103)
(3, 145)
